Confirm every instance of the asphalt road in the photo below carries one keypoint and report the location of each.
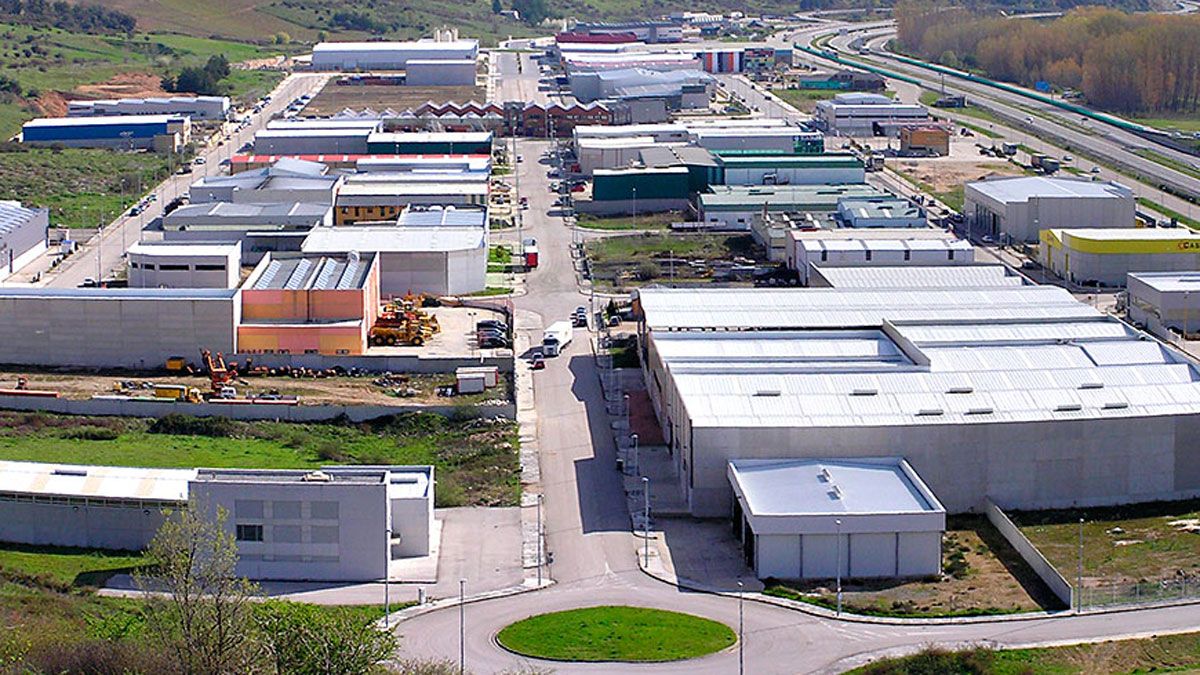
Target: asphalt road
(110, 245)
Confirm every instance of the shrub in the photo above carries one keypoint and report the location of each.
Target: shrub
(91, 433)
(186, 425)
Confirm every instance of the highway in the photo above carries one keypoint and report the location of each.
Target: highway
(1072, 132)
(100, 256)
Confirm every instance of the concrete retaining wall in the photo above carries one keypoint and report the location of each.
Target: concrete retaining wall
(303, 413)
(1029, 553)
(378, 363)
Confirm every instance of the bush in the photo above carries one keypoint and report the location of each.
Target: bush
(99, 657)
(91, 433)
(186, 425)
(936, 661)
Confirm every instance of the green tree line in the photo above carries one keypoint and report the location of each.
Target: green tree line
(1144, 63)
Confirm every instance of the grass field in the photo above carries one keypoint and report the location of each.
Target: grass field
(50, 64)
(1163, 653)
(334, 98)
(805, 100)
(1190, 123)
(1139, 542)
(615, 633)
(476, 460)
(64, 566)
(982, 575)
(682, 258)
(81, 187)
(651, 221)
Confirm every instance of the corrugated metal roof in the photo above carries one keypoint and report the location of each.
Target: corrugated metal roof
(95, 482)
(393, 239)
(1022, 188)
(918, 276)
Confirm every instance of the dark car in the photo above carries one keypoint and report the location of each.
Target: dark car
(492, 323)
(493, 342)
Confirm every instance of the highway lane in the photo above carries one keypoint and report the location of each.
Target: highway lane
(102, 254)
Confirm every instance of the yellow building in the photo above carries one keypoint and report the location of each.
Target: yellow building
(1105, 256)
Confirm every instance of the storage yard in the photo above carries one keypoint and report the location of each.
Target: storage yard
(333, 99)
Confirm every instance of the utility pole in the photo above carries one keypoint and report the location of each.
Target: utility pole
(1079, 573)
(741, 629)
(646, 515)
(462, 627)
(838, 544)
(387, 563)
(539, 540)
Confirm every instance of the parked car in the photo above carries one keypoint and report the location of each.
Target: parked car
(493, 342)
(492, 323)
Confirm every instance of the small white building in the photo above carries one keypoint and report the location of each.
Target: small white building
(1019, 208)
(111, 507)
(435, 251)
(857, 114)
(196, 107)
(23, 234)
(349, 56)
(198, 265)
(883, 212)
(874, 247)
(1164, 301)
(343, 523)
(801, 518)
(440, 72)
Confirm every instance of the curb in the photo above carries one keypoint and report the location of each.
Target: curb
(395, 619)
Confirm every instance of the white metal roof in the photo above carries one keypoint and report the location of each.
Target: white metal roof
(103, 120)
(828, 487)
(95, 482)
(1128, 234)
(1022, 188)
(395, 46)
(1169, 282)
(782, 309)
(919, 276)
(393, 239)
(184, 249)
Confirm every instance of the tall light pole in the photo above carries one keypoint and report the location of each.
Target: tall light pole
(635, 208)
(646, 516)
(637, 465)
(741, 629)
(539, 540)
(1079, 572)
(838, 544)
(462, 626)
(1185, 316)
(387, 588)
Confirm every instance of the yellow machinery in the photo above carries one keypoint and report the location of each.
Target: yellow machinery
(177, 392)
(176, 364)
(403, 322)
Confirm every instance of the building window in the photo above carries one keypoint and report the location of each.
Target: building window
(950, 254)
(324, 510)
(324, 534)
(908, 255)
(285, 510)
(868, 256)
(172, 268)
(824, 256)
(286, 534)
(248, 508)
(249, 532)
(210, 268)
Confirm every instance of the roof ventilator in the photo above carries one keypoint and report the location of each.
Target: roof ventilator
(979, 411)
(317, 477)
(767, 392)
(961, 390)
(1115, 405)
(1068, 407)
(824, 475)
(930, 412)
(1091, 385)
(835, 492)
(864, 392)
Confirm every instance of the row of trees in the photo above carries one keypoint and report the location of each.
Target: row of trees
(204, 80)
(1121, 62)
(77, 18)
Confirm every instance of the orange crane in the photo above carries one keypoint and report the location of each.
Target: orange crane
(220, 374)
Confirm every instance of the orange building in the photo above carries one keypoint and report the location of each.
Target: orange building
(298, 304)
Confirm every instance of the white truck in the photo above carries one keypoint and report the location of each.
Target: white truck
(556, 338)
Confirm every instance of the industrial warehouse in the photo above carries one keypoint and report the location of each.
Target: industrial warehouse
(338, 523)
(1020, 394)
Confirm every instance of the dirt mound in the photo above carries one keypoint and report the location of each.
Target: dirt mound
(50, 104)
(122, 85)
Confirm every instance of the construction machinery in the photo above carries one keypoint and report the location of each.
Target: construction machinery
(403, 322)
(220, 374)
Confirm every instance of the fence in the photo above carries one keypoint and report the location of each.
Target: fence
(300, 413)
(1029, 553)
(1109, 594)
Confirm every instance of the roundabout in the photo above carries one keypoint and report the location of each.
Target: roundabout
(616, 633)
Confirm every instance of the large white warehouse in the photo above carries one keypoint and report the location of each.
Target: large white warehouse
(389, 55)
(1018, 393)
(1019, 208)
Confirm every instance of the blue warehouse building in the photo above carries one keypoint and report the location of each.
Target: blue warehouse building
(164, 133)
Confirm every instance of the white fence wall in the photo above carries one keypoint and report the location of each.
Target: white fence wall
(1029, 553)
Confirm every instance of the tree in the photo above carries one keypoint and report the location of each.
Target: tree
(281, 38)
(322, 35)
(497, 7)
(197, 608)
(532, 12)
(304, 639)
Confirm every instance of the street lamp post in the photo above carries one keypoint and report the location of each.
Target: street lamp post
(646, 516)
(1185, 316)
(1079, 572)
(838, 545)
(462, 626)
(635, 208)
(387, 588)
(741, 630)
(637, 465)
(539, 540)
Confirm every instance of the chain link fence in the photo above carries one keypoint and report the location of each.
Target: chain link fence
(1108, 594)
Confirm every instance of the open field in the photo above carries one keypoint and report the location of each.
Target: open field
(1139, 542)
(64, 566)
(81, 187)
(1163, 653)
(650, 221)
(333, 98)
(476, 460)
(805, 100)
(682, 258)
(944, 177)
(614, 633)
(52, 65)
(982, 574)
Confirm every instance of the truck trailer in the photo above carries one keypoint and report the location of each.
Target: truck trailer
(556, 338)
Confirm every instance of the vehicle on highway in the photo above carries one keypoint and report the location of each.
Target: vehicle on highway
(198, 160)
(557, 337)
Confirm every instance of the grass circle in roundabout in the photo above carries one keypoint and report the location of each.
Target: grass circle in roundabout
(616, 633)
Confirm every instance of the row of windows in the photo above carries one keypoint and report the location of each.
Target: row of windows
(907, 255)
(286, 509)
(291, 558)
(288, 534)
(83, 501)
(171, 267)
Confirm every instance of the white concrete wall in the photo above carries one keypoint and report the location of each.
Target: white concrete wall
(412, 520)
(793, 176)
(303, 537)
(873, 554)
(778, 556)
(1023, 221)
(920, 554)
(124, 527)
(77, 330)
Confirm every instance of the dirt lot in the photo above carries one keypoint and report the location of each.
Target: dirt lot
(631, 260)
(334, 98)
(123, 85)
(982, 574)
(946, 174)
